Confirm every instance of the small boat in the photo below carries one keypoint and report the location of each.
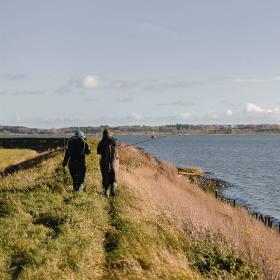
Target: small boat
(153, 136)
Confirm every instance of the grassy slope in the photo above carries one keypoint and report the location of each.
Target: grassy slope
(12, 156)
(46, 232)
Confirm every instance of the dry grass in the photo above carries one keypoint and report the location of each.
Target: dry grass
(13, 156)
(196, 171)
(160, 184)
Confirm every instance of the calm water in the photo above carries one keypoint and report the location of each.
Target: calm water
(250, 164)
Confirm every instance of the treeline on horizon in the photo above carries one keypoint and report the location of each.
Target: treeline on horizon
(146, 129)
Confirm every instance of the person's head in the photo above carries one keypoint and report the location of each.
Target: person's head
(79, 133)
(107, 133)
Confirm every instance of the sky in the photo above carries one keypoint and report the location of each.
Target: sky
(125, 62)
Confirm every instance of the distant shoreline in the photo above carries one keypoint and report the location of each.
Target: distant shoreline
(133, 134)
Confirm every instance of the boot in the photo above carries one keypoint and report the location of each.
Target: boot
(106, 191)
(75, 186)
(114, 189)
(81, 188)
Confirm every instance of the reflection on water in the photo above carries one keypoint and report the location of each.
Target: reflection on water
(251, 164)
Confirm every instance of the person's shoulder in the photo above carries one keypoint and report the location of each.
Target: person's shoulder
(113, 140)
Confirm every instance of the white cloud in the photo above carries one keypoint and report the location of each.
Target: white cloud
(252, 108)
(96, 82)
(228, 113)
(135, 117)
(23, 92)
(12, 77)
(212, 115)
(92, 82)
(181, 103)
(269, 114)
(257, 80)
(125, 100)
(185, 116)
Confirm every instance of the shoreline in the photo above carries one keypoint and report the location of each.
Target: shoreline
(213, 185)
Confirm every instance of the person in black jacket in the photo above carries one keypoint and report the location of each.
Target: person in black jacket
(76, 150)
(109, 163)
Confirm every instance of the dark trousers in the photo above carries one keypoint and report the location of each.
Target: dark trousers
(109, 171)
(78, 171)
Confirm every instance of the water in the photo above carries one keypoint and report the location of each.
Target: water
(250, 164)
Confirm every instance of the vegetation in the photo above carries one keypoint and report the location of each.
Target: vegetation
(13, 156)
(48, 232)
(190, 129)
(193, 171)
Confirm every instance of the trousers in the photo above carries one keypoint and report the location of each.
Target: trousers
(77, 171)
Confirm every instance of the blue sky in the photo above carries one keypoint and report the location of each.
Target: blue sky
(139, 62)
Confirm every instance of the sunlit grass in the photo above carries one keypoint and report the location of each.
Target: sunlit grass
(13, 156)
(196, 171)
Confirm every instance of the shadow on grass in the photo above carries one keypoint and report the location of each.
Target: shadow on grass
(18, 261)
(6, 209)
(52, 221)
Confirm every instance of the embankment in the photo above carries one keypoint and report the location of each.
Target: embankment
(189, 206)
(158, 227)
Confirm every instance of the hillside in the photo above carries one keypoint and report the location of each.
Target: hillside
(158, 227)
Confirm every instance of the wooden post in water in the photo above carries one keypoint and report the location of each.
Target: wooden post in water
(266, 221)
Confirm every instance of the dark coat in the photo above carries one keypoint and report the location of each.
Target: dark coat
(109, 162)
(76, 151)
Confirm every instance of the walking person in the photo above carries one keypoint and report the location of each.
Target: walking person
(109, 163)
(76, 151)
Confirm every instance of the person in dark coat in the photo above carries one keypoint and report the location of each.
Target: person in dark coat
(109, 163)
(76, 151)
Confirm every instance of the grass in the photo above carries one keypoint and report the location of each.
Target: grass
(13, 156)
(196, 171)
(48, 232)
(164, 191)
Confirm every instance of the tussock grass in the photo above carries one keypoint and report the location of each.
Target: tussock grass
(13, 156)
(257, 245)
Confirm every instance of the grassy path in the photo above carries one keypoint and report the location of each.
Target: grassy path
(46, 231)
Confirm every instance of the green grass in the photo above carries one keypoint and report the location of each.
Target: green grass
(12, 156)
(48, 232)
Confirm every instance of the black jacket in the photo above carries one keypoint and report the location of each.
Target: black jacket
(76, 151)
(107, 148)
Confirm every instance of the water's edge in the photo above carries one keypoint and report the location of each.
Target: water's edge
(209, 183)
